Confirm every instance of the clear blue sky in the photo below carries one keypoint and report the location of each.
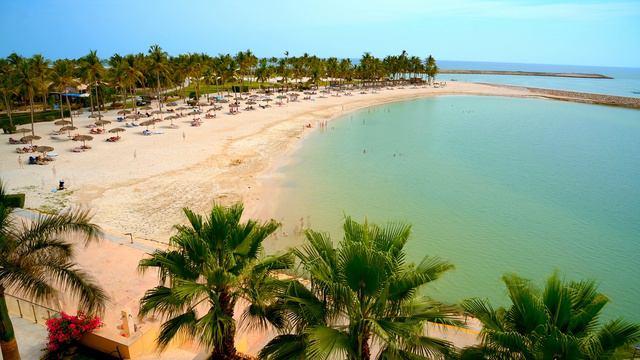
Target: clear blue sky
(577, 32)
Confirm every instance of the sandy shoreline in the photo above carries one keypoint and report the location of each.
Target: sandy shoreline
(140, 184)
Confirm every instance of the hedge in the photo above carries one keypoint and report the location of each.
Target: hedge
(14, 200)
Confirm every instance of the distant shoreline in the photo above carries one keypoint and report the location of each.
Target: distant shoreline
(527, 73)
(575, 96)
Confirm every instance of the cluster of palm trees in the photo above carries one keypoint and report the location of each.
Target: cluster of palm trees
(29, 81)
(358, 298)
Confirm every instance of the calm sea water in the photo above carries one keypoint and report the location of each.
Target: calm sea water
(625, 82)
(494, 185)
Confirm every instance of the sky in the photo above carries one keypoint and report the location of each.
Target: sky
(573, 32)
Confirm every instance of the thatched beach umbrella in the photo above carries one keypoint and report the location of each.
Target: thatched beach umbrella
(23, 131)
(117, 131)
(148, 123)
(251, 102)
(171, 117)
(102, 123)
(96, 116)
(44, 149)
(124, 112)
(68, 128)
(62, 122)
(84, 139)
(30, 138)
(133, 116)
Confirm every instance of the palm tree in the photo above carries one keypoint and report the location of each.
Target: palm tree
(211, 264)
(92, 72)
(431, 69)
(37, 262)
(41, 70)
(560, 322)
(360, 293)
(7, 86)
(27, 83)
(63, 78)
(158, 60)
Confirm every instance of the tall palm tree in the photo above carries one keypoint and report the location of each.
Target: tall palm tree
(211, 264)
(360, 293)
(559, 322)
(27, 83)
(37, 262)
(41, 70)
(7, 86)
(431, 68)
(63, 78)
(158, 60)
(92, 72)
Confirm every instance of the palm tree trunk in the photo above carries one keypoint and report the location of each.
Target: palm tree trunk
(227, 350)
(70, 113)
(61, 107)
(98, 98)
(8, 107)
(91, 99)
(158, 92)
(33, 132)
(8, 343)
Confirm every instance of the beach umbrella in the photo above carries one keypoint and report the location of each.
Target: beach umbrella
(133, 116)
(117, 131)
(171, 117)
(96, 115)
(44, 149)
(281, 96)
(148, 123)
(102, 123)
(147, 107)
(124, 112)
(68, 128)
(156, 112)
(251, 102)
(30, 138)
(267, 99)
(62, 122)
(23, 131)
(83, 138)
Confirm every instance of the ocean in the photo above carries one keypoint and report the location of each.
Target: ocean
(494, 185)
(625, 82)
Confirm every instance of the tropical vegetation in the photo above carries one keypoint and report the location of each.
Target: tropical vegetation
(560, 321)
(211, 264)
(37, 262)
(35, 83)
(359, 299)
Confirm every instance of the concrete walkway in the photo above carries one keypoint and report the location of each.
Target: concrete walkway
(31, 337)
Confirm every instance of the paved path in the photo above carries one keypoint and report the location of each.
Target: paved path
(31, 337)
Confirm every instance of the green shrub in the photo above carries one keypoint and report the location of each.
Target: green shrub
(14, 200)
(25, 117)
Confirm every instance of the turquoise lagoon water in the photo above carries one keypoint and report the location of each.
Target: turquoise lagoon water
(494, 185)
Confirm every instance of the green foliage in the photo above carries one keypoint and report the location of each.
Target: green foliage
(559, 322)
(14, 200)
(25, 118)
(361, 292)
(213, 262)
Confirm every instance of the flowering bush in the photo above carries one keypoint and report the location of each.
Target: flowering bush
(66, 329)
